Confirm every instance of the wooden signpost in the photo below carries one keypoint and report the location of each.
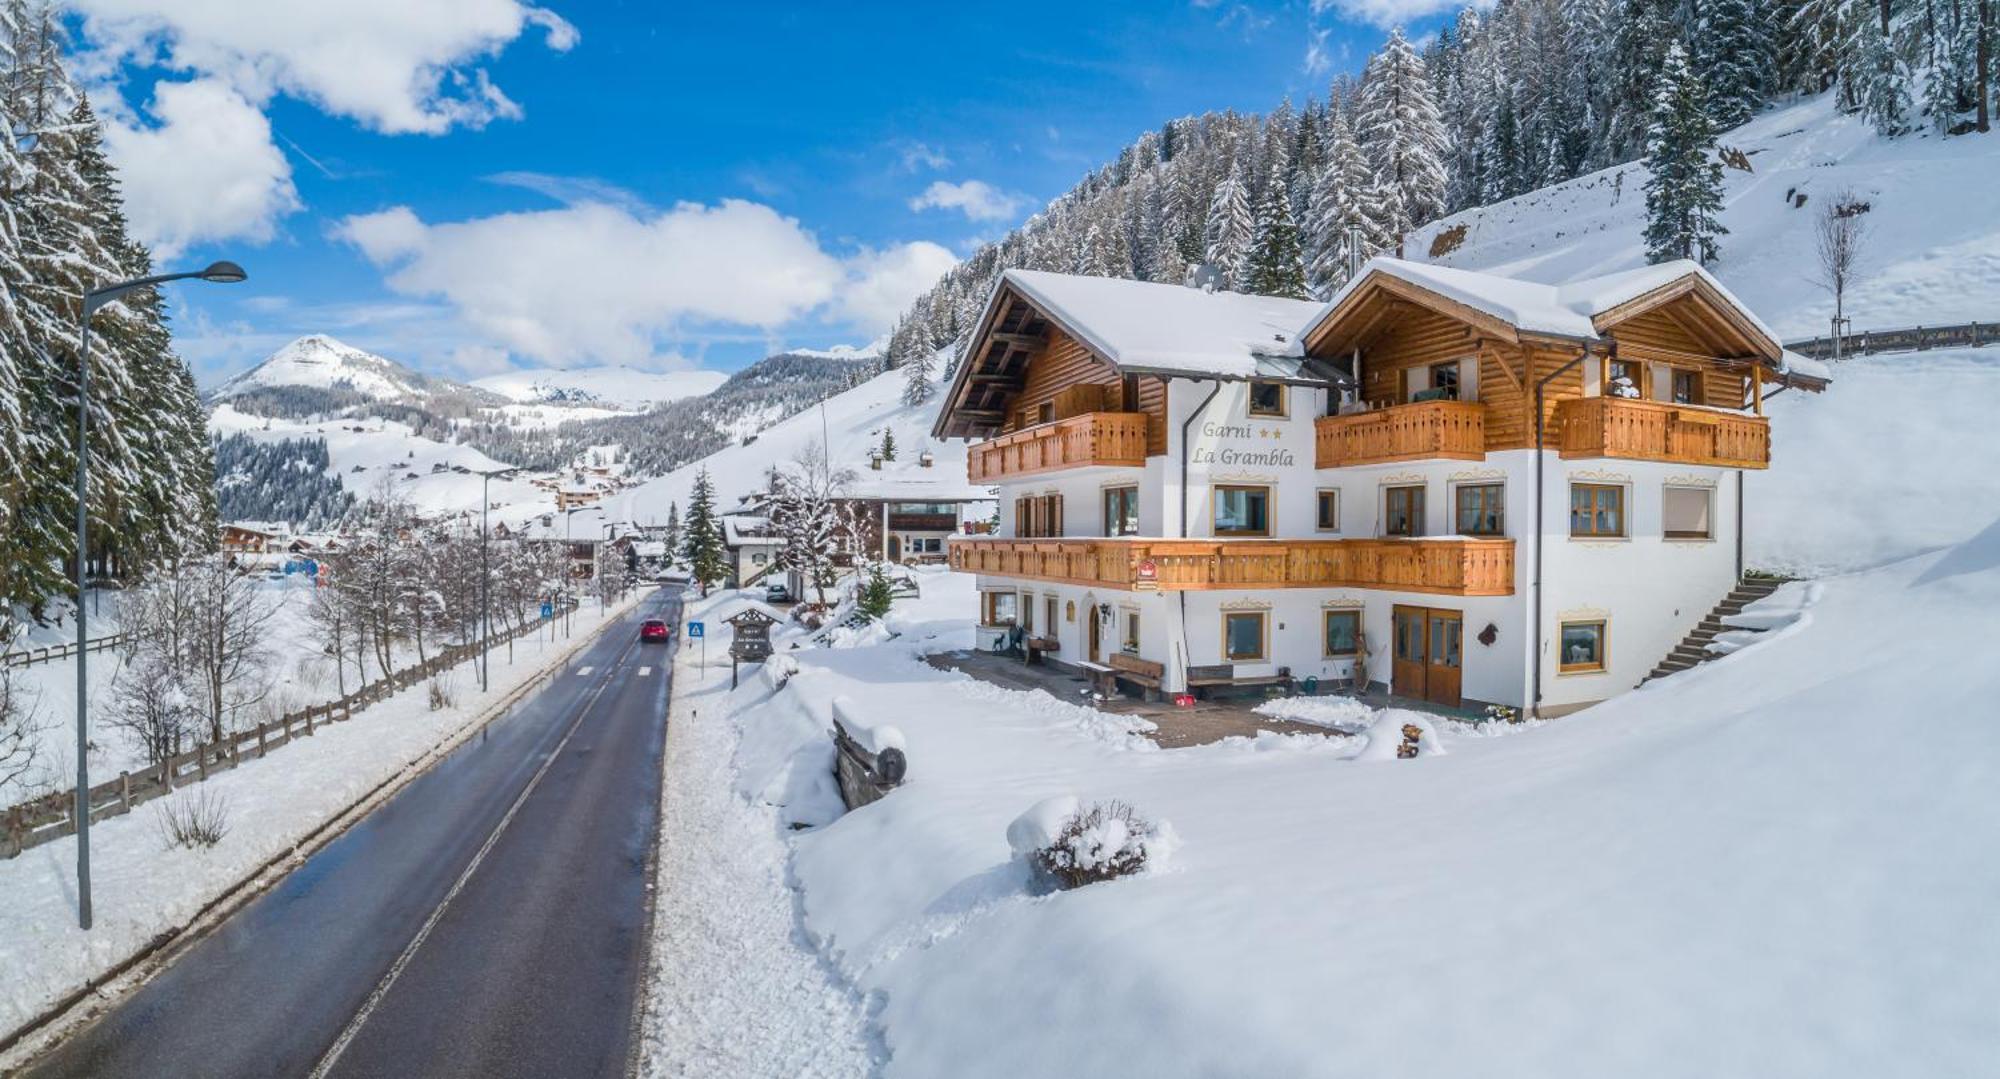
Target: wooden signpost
(752, 640)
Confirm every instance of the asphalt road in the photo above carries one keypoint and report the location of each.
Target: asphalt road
(489, 920)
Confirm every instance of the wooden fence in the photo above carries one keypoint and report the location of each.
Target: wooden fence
(1907, 339)
(30, 657)
(52, 816)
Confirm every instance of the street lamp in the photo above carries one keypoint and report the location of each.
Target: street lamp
(221, 273)
(486, 577)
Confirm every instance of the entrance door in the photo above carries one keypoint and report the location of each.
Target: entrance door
(1428, 655)
(1096, 633)
(895, 548)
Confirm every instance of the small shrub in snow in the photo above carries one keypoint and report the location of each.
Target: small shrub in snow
(441, 696)
(1106, 841)
(198, 818)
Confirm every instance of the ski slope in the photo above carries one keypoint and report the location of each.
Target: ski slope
(1931, 254)
(619, 388)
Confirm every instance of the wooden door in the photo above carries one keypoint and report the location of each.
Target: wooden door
(1446, 655)
(1096, 633)
(1410, 663)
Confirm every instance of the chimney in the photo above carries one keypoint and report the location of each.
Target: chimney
(925, 460)
(1353, 251)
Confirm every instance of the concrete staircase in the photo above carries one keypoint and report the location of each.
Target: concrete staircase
(1693, 648)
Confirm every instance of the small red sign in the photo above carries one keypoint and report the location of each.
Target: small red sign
(1148, 571)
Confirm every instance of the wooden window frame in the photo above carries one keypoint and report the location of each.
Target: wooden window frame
(1320, 499)
(1215, 509)
(1025, 603)
(1052, 608)
(1457, 376)
(1674, 377)
(1120, 491)
(989, 613)
(1419, 520)
(1684, 536)
(1128, 631)
(1263, 637)
(1284, 400)
(1624, 511)
(1499, 490)
(1326, 639)
(1603, 661)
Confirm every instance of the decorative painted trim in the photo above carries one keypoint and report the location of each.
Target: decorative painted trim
(1592, 475)
(1584, 614)
(1245, 605)
(1476, 475)
(1232, 479)
(1342, 603)
(1707, 482)
(1403, 479)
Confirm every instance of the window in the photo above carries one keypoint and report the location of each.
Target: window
(1243, 636)
(1040, 515)
(1596, 509)
(1479, 509)
(998, 608)
(1684, 387)
(1129, 643)
(1624, 379)
(1343, 629)
(1051, 607)
(1686, 512)
(1404, 514)
(1582, 647)
(759, 559)
(1045, 412)
(1267, 399)
(1242, 511)
(1327, 515)
(1444, 380)
(1121, 511)
(1027, 613)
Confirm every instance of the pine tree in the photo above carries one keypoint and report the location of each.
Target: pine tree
(1275, 266)
(1684, 194)
(1231, 228)
(1398, 125)
(707, 559)
(1883, 77)
(1638, 40)
(888, 443)
(1337, 207)
(673, 536)
(919, 368)
(1729, 57)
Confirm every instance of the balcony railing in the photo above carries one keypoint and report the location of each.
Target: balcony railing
(1459, 566)
(1658, 431)
(1094, 438)
(1427, 430)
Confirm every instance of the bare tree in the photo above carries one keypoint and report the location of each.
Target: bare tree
(18, 745)
(227, 655)
(151, 703)
(1839, 235)
(806, 510)
(330, 619)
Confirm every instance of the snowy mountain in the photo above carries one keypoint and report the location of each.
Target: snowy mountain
(320, 368)
(620, 388)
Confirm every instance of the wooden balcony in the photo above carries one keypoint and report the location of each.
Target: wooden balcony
(1658, 431)
(1094, 438)
(1428, 430)
(1456, 566)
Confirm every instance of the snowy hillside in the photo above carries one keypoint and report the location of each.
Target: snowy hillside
(853, 422)
(624, 388)
(1931, 255)
(319, 362)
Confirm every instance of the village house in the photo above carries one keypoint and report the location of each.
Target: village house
(1471, 489)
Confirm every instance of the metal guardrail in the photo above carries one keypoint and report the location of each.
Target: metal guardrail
(30, 657)
(1906, 339)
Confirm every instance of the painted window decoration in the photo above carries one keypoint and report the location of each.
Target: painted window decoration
(1267, 399)
(1684, 387)
(1129, 642)
(1596, 509)
(1688, 512)
(1343, 629)
(1582, 646)
(1326, 516)
(1121, 511)
(1242, 511)
(1243, 636)
(1480, 510)
(1404, 512)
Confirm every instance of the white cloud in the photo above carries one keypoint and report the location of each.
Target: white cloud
(398, 66)
(1317, 62)
(918, 155)
(881, 284)
(205, 169)
(1388, 14)
(978, 199)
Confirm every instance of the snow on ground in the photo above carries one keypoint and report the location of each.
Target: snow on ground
(1932, 253)
(322, 362)
(624, 388)
(143, 888)
(1772, 865)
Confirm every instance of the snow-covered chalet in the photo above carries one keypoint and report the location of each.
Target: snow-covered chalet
(1207, 488)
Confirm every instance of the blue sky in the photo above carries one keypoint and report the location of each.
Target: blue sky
(602, 181)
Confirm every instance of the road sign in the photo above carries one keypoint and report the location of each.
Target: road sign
(694, 629)
(548, 609)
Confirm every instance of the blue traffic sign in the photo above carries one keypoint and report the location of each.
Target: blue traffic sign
(548, 609)
(694, 629)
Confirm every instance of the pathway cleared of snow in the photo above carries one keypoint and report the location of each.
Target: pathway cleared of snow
(736, 988)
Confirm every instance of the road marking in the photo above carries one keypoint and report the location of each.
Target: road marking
(581, 671)
(381, 990)
(643, 672)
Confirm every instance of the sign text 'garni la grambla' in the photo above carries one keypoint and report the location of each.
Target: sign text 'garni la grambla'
(1265, 456)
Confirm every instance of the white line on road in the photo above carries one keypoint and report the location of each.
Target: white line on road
(410, 952)
(581, 671)
(643, 672)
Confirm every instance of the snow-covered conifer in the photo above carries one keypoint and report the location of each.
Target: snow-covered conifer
(1684, 194)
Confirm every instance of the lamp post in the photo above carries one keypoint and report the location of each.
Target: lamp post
(486, 578)
(221, 273)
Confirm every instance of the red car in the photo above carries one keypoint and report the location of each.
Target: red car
(654, 629)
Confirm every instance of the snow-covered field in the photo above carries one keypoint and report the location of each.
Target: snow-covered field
(619, 388)
(143, 888)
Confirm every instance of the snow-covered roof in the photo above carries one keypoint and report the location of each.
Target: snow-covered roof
(900, 481)
(1173, 329)
(1565, 310)
(1796, 364)
(742, 529)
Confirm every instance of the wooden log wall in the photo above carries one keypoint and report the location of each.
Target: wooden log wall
(1065, 363)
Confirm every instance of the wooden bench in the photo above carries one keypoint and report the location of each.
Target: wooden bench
(1143, 673)
(1224, 674)
(1036, 647)
(1103, 679)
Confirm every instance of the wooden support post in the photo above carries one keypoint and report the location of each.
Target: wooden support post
(262, 729)
(1757, 389)
(125, 790)
(309, 721)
